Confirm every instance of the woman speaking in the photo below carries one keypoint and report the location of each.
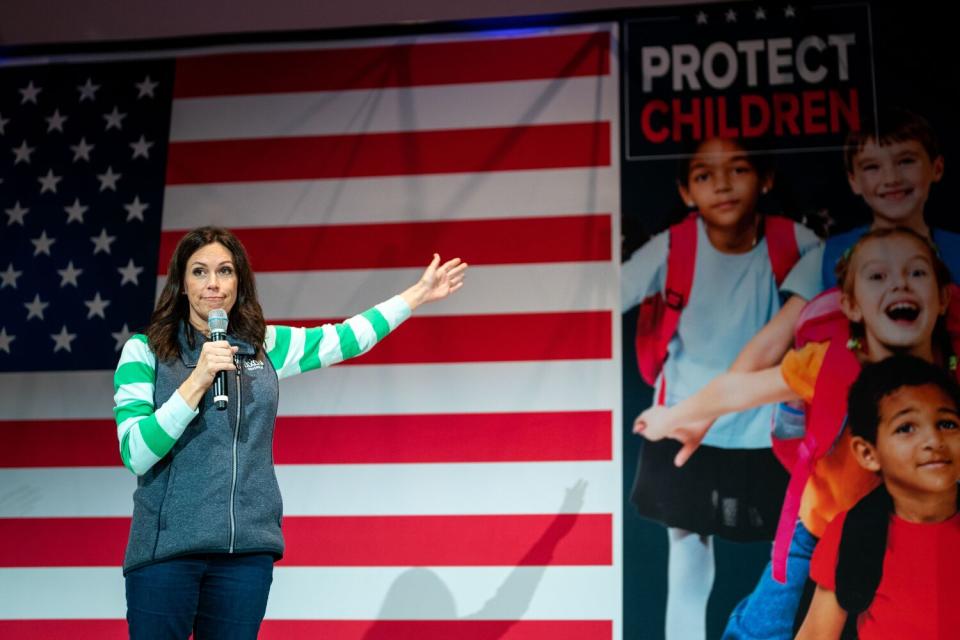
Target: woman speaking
(207, 508)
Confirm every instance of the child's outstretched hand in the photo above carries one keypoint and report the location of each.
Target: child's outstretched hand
(654, 424)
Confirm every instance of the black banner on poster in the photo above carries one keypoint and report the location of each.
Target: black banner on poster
(791, 78)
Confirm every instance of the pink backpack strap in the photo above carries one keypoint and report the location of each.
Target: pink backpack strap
(681, 262)
(825, 421)
(781, 235)
(790, 510)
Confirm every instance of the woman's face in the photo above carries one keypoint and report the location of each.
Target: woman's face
(895, 294)
(209, 282)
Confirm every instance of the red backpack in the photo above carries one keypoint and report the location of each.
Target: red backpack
(822, 320)
(660, 313)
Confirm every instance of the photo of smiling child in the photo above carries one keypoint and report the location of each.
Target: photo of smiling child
(730, 249)
(895, 294)
(890, 562)
(892, 163)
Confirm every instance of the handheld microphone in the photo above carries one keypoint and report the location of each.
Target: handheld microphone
(217, 321)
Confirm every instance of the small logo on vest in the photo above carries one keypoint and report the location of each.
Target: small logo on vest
(252, 365)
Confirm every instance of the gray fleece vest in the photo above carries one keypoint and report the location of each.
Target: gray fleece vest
(216, 490)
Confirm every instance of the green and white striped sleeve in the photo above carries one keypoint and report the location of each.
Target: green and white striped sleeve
(294, 350)
(145, 434)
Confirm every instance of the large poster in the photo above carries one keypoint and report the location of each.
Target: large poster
(835, 118)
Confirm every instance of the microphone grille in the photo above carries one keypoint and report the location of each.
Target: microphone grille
(217, 321)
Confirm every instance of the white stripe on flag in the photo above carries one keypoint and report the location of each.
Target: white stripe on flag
(532, 288)
(352, 593)
(363, 111)
(460, 196)
(317, 490)
(349, 390)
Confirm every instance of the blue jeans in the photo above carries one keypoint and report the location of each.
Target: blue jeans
(212, 595)
(768, 612)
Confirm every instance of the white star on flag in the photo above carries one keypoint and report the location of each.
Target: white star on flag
(23, 153)
(75, 211)
(145, 88)
(35, 308)
(141, 148)
(9, 277)
(3, 124)
(81, 150)
(135, 209)
(5, 339)
(702, 18)
(96, 306)
(114, 119)
(29, 93)
(69, 275)
(121, 337)
(62, 339)
(789, 11)
(731, 15)
(16, 214)
(109, 179)
(102, 242)
(49, 182)
(88, 90)
(760, 14)
(130, 273)
(55, 122)
(42, 244)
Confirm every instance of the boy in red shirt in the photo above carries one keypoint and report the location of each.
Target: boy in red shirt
(891, 561)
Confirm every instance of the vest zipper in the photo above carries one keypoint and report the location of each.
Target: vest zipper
(236, 438)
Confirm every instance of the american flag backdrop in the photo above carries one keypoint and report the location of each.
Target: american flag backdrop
(462, 480)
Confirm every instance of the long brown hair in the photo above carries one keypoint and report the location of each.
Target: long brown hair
(246, 317)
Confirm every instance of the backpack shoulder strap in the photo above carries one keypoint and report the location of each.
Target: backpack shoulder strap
(681, 262)
(781, 235)
(826, 417)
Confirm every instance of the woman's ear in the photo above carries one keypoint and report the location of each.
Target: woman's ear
(865, 454)
(685, 196)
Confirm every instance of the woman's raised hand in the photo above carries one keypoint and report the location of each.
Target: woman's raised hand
(437, 282)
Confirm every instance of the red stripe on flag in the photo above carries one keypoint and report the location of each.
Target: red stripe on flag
(484, 437)
(483, 540)
(576, 238)
(568, 335)
(365, 439)
(436, 629)
(59, 629)
(404, 65)
(59, 443)
(548, 146)
(83, 629)
(63, 542)
(341, 541)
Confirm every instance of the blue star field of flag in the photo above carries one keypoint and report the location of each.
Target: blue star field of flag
(82, 161)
